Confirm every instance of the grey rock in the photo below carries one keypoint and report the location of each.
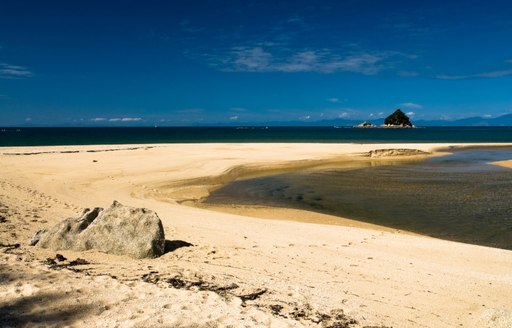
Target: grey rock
(365, 124)
(121, 230)
(64, 234)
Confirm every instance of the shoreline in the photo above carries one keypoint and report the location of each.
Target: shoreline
(376, 277)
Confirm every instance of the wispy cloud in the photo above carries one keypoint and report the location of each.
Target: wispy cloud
(14, 72)
(190, 111)
(376, 115)
(250, 60)
(333, 100)
(295, 20)
(407, 73)
(411, 105)
(488, 74)
(491, 74)
(272, 59)
(116, 119)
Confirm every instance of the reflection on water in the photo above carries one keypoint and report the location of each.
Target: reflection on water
(457, 197)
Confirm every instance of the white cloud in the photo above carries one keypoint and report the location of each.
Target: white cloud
(14, 72)
(344, 115)
(251, 60)
(407, 73)
(277, 59)
(488, 74)
(411, 105)
(296, 20)
(410, 113)
(333, 100)
(234, 118)
(305, 117)
(28, 119)
(377, 115)
(117, 119)
(125, 119)
(492, 74)
(366, 64)
(496, 73)
(190, 111)
(304, 61)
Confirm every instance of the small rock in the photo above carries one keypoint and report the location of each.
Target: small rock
(60, 257)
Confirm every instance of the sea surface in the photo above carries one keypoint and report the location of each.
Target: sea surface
(459, 197)
(146, 135)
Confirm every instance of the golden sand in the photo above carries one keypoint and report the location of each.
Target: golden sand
(306, 265)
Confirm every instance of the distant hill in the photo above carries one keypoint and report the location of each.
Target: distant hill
(505, 120)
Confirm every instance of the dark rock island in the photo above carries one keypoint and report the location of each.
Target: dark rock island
(398, 119)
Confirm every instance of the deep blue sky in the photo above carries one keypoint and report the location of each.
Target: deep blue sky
(185, 62)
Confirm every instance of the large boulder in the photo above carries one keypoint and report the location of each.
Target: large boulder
(63, 235)
(121, 230)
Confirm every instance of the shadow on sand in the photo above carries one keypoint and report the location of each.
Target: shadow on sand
(40, 308)
(172, 245)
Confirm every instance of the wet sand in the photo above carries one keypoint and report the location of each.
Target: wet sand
(458, 197)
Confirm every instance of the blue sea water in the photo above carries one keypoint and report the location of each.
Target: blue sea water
(149, 135)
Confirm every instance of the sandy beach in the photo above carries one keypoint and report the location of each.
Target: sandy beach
(302, 269)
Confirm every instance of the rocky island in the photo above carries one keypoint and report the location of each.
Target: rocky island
(396, 120)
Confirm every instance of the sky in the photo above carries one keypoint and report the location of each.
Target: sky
(176, 63)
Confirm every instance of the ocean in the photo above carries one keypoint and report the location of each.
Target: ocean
(150, 135)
